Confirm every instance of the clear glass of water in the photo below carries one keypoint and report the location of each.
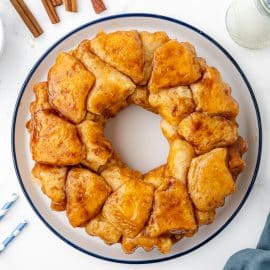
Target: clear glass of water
(248, 23)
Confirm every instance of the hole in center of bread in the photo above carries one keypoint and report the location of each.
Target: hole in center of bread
(136, 136)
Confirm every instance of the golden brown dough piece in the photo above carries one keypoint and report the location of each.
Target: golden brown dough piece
(86, 193)
(111, 88)
(202, 63)
(213, 96)
(172, 211)
(114, 109)
(177, 237)
(168, 130)
(40, 103)
(54, 141)
(102, 228)
(140, 97)
(205, 132)
(98, 148)
(128, 208)
(116, 173)
(151, 41)
(69, 84)
(155, 176)
(114, 160)
(122, 50)
(173, 104)
(209, 180)
(99, 119)
(163, 243)
(52, 180)
(41, 98)
(235, 153)
(175, 64)
(179, 159)
(205, 218)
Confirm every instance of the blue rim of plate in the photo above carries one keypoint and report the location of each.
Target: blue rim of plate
(203, 34)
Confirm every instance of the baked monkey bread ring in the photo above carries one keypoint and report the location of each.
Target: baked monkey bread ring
(80, 172)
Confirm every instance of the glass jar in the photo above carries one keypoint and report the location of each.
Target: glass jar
(248, 23)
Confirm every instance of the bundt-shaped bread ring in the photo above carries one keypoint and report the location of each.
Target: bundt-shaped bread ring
(77, 167)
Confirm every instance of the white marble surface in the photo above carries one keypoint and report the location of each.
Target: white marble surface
(37, 246)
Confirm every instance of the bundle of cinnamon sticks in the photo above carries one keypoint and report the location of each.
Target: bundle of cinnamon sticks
(50, 7)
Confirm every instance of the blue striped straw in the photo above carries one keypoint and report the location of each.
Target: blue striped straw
(8, 205)
(14, 233)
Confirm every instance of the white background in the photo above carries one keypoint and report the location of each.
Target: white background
(37, 247)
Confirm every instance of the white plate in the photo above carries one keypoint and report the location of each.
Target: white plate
(144, 124)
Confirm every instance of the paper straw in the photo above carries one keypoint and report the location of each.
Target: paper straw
(8, 205)
(13, 234)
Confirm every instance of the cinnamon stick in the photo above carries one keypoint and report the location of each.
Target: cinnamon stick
(67, 5)
(74, 5)
(50, 11)
(71, 5)
(98, 6)
(57, 2)
(27, 16)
